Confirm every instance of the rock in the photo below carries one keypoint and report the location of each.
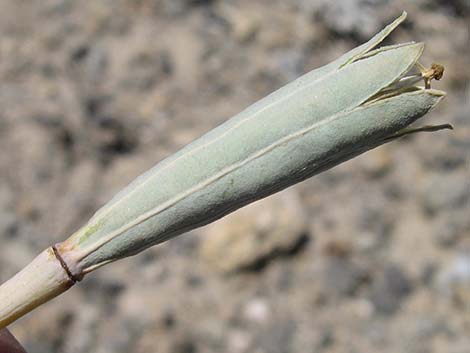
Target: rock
(375, 226)
(290, 63)
(448, 232)
(347, 17)
(145, 70)
(238, 341)
(342, 277)
(244, 26)
(255, 235)
(8, 225)
(84, 330)
(184, 346)
(276, 338)
(257, 310)
(453, 281)
(445, 192)
(376, 163)
(389, 288)
(427, 273)
(124, 341)
(427, 326)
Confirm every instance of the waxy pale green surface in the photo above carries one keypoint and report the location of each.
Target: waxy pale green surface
(306, 127)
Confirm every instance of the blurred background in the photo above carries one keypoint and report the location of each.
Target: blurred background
(373, 256)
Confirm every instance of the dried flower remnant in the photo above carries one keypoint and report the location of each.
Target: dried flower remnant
(435, 72)
(360, 101)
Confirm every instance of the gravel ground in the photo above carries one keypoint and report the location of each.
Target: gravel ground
(372, 256)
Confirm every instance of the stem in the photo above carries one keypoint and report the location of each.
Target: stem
(43, 279)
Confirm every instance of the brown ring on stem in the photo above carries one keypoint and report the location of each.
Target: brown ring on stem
(71, 276)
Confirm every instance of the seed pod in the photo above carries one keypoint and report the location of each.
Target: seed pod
(332, 114)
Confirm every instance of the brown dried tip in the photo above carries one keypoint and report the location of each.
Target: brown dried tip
(437, 71)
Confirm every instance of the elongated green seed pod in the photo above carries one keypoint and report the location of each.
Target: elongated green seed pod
(327, 116)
